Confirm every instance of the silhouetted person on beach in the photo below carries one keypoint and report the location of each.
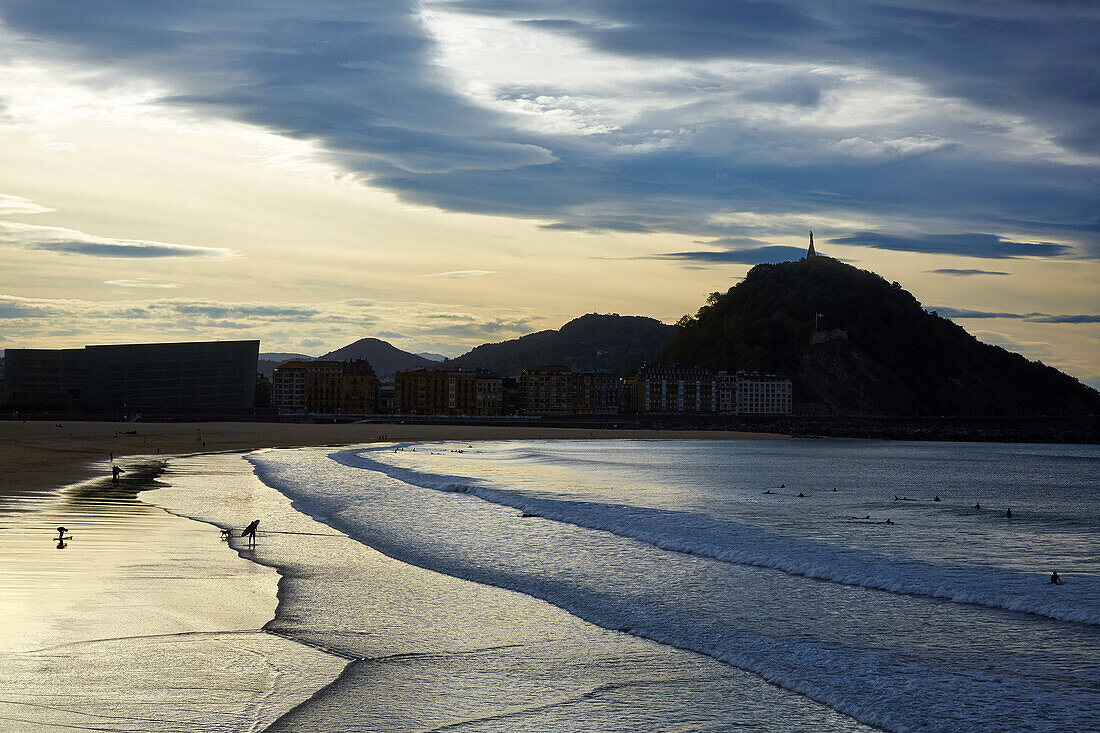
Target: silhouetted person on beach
(115, 471)
(250, 532)
(1054, 579)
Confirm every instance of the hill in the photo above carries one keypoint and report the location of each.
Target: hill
(383, 356)
(594, 341)
(882, 353)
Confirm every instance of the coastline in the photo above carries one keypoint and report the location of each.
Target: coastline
(41, 456)
(137, 615)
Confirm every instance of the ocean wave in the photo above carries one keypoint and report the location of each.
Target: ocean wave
(899, 677)
(732, 542)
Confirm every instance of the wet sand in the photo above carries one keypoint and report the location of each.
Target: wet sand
(140, 621)
(40, 456)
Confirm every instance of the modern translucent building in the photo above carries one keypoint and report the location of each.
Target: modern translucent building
(176, 379)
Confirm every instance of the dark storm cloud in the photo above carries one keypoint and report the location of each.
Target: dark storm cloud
(363, 80)
(971, 245)
(1038, 59)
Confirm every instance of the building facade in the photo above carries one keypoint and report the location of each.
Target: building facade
(674, 389)
(448, 392)
(762, 394)
(558, 390)
(547, 390)
(184, 379)
(325, 388)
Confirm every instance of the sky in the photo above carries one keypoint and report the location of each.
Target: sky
(442, 174)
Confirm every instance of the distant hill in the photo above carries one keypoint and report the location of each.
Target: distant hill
(896, 359)
(431, 357)
(612, 342)
(384, 357)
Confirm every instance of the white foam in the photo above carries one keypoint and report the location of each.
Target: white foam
(727, 541)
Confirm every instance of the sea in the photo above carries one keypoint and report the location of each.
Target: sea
(667, 585)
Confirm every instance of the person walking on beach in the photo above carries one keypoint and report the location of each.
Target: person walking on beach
(115, 471)
(250, 532)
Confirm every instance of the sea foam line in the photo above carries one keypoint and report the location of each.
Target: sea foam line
(736, 543)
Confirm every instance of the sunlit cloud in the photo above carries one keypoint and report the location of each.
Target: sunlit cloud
(17, 205)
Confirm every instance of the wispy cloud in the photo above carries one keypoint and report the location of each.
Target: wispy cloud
(964, 273)
(141, 283)
(460, 274)
(746, 256)
(61, 240)
(965, 313)
(990, 246)
(19, 206)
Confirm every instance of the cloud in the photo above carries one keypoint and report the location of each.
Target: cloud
(281, 326)
(1084, 318)
(748, 256)
(141, 283)
(964, 313)
(964, 273)
(71, 241)
(988, 246)
(17, 206)
(641, 115)
(600, 224)
(460, 274)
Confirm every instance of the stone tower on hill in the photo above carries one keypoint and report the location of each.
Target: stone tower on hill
(810, 252)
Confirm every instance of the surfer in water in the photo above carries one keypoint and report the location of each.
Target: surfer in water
(1054, 579)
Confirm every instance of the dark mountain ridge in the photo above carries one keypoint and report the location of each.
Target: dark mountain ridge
(878, 351)
(592, 342)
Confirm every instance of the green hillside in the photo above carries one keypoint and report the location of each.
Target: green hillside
(896, 358)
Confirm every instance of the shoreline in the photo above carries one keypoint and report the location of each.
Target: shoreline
(98, 629)
(38, 457)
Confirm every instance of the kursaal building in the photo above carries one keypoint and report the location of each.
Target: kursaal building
(176, 379)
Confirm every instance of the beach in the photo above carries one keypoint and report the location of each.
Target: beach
(101, 632)
(499, 582)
